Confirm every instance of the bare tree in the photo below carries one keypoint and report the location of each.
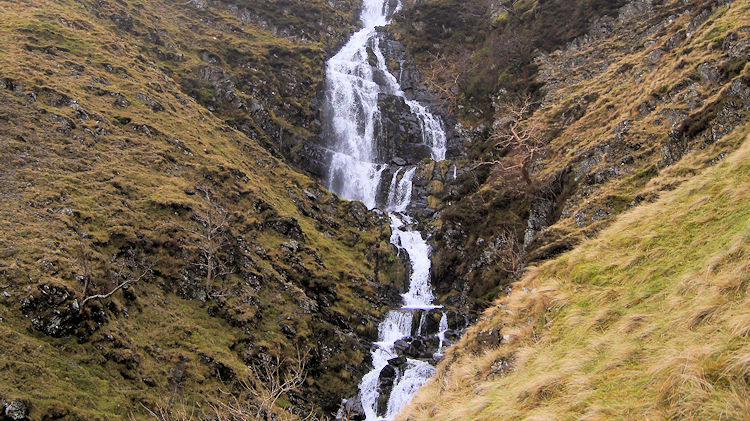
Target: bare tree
(210, 234)
(446, 76)
(180, 411)
(273, 377)
(521, 137)
(129, 271)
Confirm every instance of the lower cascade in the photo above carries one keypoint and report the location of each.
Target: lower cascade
(411, 338)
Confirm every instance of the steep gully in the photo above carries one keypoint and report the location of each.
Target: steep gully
(356, 77)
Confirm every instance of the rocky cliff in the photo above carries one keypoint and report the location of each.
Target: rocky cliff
(613, 106)
(610, 120)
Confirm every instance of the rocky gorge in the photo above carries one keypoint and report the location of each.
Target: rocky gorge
(288, 209)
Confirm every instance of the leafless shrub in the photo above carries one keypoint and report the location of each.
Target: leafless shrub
(209, 233)
(520, 137)
(510, 255)
(446, 76)
(272, 378)
(127, 269)
(175, 411)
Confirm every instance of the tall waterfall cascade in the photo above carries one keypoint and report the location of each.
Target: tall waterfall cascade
(354, 83)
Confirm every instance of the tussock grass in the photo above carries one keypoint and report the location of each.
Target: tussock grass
(651, 320)
(127, 175)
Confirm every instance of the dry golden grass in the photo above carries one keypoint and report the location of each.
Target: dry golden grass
(127, 175)
(651, 320)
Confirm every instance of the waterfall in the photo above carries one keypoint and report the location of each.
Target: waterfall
(441, 332)
(354, 81)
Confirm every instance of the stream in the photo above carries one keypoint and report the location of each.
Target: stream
(355, 77)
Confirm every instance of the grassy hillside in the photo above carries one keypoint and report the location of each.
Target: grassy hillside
(612, 108)
(113, 173)
(647, 321)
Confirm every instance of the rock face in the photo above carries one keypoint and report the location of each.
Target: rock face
(14, 410)
(412, 84)
(353, 410)
(52, 311)
(399, 134)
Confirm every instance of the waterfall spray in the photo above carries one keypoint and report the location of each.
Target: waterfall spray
(354, 174)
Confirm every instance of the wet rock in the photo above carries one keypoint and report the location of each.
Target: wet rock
(401, 345)
(456, 320)
(16, 410)
(317, 158)
(353, 409)
(386, 380)
(423, 347)
(432, 322)
(399, 132)
(388, 377)
(397, 363)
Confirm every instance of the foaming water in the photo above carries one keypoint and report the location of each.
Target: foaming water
(355, 174)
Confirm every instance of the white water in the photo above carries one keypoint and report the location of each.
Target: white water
(355, 174)
(353, 106)
(441, 333)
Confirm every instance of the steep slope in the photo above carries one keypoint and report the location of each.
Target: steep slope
(648, 321)
(636, 88)
(112, 173)
(566, 127)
